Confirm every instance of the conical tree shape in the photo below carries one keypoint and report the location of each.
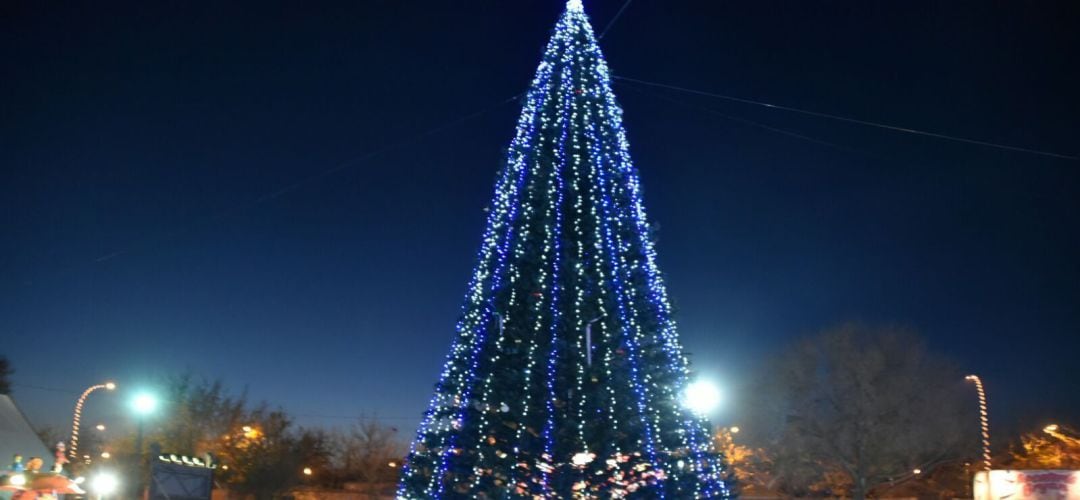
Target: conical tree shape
(566, 376)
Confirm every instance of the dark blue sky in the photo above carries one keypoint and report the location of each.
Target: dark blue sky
(139, 144)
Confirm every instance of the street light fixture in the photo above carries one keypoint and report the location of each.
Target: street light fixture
(143, 404)
(74, 449)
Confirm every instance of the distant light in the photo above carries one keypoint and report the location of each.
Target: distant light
(307, 471)
(734, 429)
(392, 464)
(104, 484)
(106, 454)
(224, 467)
(702, 397)
(110, 386)
(17, 480)
(100, 427)
(251, 432)
(144, 404)
(1050, 429)
(917, 472)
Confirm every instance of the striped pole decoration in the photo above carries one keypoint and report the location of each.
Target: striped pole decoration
(74, 448)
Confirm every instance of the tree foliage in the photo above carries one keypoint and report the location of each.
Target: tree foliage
(259, 450)
(5, 375)
(855, 408)
(1045, 450)
(366, 457)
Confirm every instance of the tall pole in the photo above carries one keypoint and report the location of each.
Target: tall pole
(74, 449)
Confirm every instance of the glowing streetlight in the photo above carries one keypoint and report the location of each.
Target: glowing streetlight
(1058, 432)
(74, 448)
(984, 421)
(144, 404)
(734, 429)
(308, 471)
(104, 484)
(100, 427)
(702, 397)
(106, 455)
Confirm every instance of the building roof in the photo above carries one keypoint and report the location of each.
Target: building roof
(17, 436)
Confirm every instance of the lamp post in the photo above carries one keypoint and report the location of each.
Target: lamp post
(73, 452)
(1056, 431)
(144, 404)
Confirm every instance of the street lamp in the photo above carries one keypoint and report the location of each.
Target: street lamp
(109, 386)
(143, 404)
(1058, 432)
(984, 421)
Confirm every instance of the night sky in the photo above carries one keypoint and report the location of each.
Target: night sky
(189, 186)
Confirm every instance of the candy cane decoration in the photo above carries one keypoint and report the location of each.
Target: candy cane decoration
(78, 415)
(984, 421)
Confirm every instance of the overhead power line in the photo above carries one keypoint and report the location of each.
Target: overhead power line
(738, 119)
(614, 19)
(355, 161)
(850, 120)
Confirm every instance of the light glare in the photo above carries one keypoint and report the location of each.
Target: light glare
(144, 404)
(104, 483)
(702, 397)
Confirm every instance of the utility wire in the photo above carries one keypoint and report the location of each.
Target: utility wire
(328, 172)
(359, 417)
(43, 388)
(612, 21)
(737, 119)
(850, 120)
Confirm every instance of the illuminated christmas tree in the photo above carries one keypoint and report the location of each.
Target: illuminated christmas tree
(566, 377)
